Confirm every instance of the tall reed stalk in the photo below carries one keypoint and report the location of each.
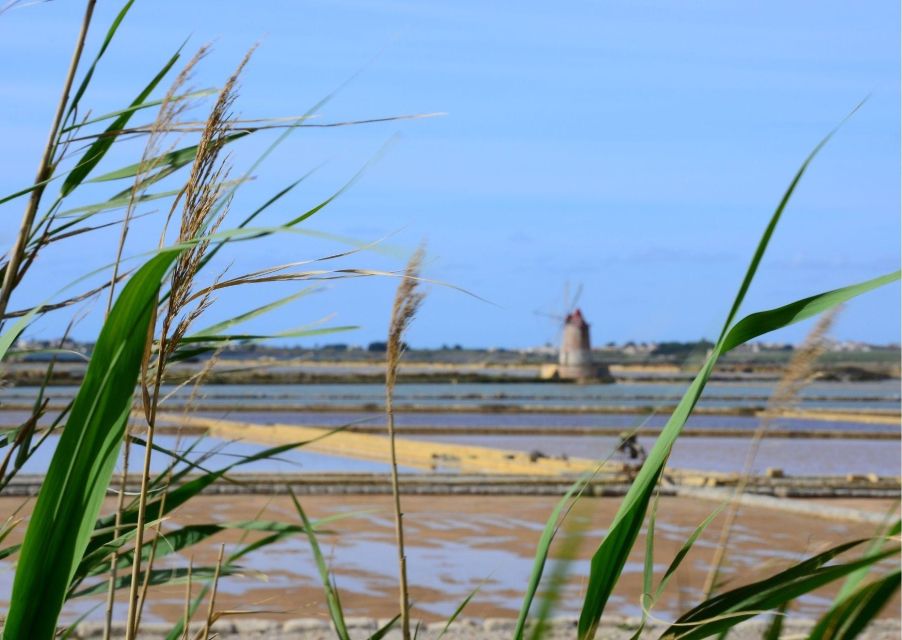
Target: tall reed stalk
(796, 375)
(201, 193)
(408, 299)
(168, 114)
(45, 168)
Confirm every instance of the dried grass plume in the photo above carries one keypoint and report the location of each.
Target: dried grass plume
(408, 299)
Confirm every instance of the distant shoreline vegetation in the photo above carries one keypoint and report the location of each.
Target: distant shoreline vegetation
(665, 351)
(348, 364)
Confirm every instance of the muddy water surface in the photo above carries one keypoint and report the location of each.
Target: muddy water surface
(459, 543)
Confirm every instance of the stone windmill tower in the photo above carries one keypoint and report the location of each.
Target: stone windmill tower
(575, 360)
(575, 357)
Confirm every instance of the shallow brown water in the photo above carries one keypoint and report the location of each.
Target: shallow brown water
(458, 543)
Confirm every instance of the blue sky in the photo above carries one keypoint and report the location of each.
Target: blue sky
(637, 148)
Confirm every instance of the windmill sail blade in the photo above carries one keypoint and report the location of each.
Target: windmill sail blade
(575, 301)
